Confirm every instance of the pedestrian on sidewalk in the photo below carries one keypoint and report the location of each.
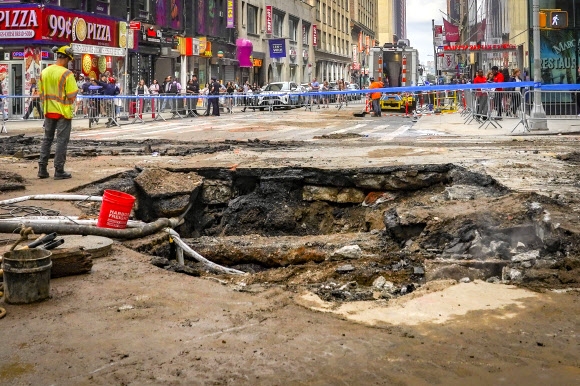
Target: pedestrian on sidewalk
(193, 89)
(154, 92)
(481, 96)
(141, 90)
(325, 88)
(58, 92)
(498, 78)
(214, 93)
(34, 101)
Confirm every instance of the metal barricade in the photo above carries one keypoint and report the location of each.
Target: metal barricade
(558, 106)
(21, 107)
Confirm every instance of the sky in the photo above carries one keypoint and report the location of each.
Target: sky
(419, 30)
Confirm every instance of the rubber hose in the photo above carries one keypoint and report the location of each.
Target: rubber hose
(85, 230)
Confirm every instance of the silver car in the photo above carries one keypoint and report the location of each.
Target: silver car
(280, 94)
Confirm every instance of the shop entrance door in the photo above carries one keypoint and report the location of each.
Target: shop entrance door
(16, 82)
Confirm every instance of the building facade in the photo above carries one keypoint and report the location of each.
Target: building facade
(151, 39)
(333, 51)
(363, 16)
(506, 27)
(272, 26)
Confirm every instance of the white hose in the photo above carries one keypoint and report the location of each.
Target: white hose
(70, 220)
(187, 249)
(53, 197)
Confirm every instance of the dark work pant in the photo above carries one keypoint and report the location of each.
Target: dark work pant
(215, 103)
(62, 128)
(377, 107)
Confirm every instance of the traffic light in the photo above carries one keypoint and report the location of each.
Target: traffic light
(558, 19)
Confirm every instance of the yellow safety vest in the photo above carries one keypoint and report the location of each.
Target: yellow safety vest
(58, 90)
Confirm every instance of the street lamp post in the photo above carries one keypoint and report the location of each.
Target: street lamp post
(538, 120)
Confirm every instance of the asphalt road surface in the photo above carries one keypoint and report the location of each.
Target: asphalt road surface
(278, 125)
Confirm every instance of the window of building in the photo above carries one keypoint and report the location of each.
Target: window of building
(277, 23)
(293, 29)
(252, 19)
(305, 34)
(318, 6)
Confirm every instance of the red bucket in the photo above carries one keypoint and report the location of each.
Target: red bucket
(115, 209)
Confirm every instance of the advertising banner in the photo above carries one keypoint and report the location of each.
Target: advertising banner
(4, 88)
(269, 26)
(230, 14)
(451, 31)
(32, 58)
(448, 63)
(360, 42)
(168, 14)
(314, 36)
(277, 48)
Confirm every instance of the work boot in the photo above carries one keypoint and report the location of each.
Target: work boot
(60, 174)
(42, 171)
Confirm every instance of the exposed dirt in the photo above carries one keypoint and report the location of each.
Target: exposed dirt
(297, 317)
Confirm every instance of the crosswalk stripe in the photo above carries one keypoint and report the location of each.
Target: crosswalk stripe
(377, 129)
(396, 133)
(350, 128)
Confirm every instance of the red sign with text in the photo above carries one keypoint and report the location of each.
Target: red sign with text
(314, 36)
(71, 27)
(56, 25)
(269, 19)
(20, 23)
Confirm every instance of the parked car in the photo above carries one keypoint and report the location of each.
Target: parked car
(280, 94)
(353, 87)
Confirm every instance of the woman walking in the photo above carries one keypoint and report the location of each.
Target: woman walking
(141, 90)
(154, 91)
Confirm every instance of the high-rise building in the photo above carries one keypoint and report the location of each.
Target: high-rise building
(400, 18)
(391, 20)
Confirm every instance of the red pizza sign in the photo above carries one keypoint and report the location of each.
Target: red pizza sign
(73, 27)
(20, 23)
(56, 25)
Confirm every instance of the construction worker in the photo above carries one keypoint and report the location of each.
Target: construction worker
(376, 97)
(58, 92)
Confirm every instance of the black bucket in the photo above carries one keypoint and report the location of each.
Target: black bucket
(26, 275)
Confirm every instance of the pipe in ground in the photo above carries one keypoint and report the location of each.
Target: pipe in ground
(85, 230)
(187, 249)
(53, 197)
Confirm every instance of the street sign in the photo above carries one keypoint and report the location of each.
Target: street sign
(135, 25)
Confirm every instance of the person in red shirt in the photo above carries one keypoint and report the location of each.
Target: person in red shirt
(498, 78)
(481, 97)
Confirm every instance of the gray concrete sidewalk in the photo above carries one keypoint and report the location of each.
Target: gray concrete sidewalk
(454, 124)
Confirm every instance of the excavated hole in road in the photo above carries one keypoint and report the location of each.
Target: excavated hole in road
(354, 234)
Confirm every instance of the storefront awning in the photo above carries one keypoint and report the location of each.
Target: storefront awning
(97, 50)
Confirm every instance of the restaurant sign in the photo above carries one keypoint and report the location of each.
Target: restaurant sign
(53, 25)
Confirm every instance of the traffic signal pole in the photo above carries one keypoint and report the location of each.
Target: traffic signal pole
(538, 120)
(435, 52)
